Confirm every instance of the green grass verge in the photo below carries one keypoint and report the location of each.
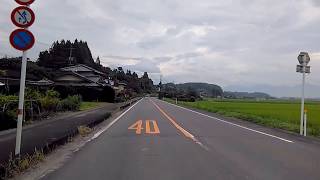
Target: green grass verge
(277, 114)
(89, 105)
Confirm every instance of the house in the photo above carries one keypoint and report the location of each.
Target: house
(81, 75)
(86, 81)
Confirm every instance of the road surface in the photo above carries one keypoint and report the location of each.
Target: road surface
(154, 140)
(41, 134)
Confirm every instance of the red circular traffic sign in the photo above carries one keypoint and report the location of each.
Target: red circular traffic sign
(22, 39)
(22, 17)
(25, 2)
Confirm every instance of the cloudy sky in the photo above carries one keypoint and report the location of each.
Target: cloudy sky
(245, 45)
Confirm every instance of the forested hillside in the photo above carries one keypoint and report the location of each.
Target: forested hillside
(190, 91)
(203, 89)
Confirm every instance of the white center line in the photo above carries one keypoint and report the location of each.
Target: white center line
(233, 124)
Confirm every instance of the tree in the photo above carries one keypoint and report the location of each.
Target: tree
(145, 75)
(98, 62)
(135, 75)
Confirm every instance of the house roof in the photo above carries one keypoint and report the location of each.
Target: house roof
(42, 82)
(81, 68)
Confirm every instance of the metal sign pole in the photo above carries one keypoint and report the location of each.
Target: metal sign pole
(302, 99)
(305, 123)
(21, 102)
(22, 40)
(303, 68)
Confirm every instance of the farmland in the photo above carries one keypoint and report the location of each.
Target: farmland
(272, 113)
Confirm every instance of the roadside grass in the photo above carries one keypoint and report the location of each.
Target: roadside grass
(18, 165)
(272, 113)
(89, 105)
(84, 130)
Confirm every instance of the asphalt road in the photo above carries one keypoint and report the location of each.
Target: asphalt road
(49, 131)
(154, 140)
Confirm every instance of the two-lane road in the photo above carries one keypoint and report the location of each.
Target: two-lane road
(154, 140)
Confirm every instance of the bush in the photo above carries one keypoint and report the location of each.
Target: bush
(71, 103)
(7, 118)
(50, 101)
(32, 94)
(5, 99)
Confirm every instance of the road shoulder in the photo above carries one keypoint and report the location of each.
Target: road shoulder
(61, 155)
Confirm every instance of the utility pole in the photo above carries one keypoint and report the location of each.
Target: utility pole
(70, 59)
(160, 87)
(303, 59)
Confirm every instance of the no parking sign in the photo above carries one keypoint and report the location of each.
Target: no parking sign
(22, 39)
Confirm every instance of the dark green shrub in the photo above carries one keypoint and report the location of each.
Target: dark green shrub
(71, 103)
(32, 94)
(10, 105)
(5, 99)
(50, 101)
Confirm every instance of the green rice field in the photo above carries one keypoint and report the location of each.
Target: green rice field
(272, 113)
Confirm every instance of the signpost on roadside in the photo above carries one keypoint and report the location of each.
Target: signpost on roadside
(22, 40)
(303, 68)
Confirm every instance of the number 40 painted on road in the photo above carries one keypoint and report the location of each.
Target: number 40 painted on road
(138, 126)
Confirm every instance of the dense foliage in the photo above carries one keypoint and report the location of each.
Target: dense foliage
(42, 105)
(11, 67)
(71, 103)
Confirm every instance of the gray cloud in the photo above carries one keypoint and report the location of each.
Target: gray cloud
(228, 42)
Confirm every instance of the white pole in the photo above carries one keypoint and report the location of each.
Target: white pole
(21, 102)
(176, 100)
(302, 98)
(305, 123)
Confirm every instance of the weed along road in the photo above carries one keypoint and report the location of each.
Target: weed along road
(156, 140)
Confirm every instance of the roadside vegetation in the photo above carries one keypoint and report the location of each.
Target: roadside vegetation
(38, 105)
(272, 113)
(16, 165)
(90, 105)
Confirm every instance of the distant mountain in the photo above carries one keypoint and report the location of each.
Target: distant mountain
(246, 95)
(201, 89)
(312, 91)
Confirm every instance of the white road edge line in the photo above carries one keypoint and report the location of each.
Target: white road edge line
(96, 135)
(233, 124)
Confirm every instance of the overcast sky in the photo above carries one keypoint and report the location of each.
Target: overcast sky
(238, 44)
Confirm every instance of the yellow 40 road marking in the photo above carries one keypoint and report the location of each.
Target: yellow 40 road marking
(138, 126)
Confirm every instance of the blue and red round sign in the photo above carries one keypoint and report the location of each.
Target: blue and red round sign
(25, 2)
(22, 39)
(22, 17)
